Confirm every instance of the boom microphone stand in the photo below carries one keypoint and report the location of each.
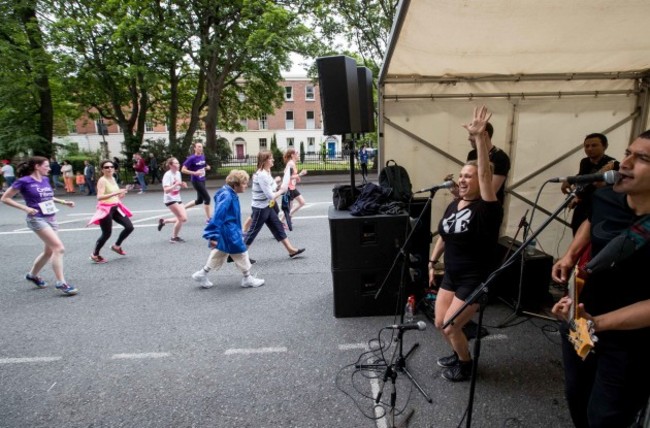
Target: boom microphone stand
(400, 362)
(479, 295)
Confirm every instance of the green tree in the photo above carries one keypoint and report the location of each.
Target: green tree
(302, 152)
(278, 159)
(243, 45)
(26, 106)
(106, 51)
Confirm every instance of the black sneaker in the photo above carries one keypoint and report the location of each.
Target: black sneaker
(449, 361)
(161, 224)
(458, 373)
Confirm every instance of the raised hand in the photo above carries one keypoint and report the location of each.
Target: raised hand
(480, 119)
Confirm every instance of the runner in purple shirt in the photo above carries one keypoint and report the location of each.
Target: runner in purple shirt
(34, 186)
(196, 166)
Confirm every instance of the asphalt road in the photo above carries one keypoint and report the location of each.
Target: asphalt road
(142, 345)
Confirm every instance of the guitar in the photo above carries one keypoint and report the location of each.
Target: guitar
(581, 330)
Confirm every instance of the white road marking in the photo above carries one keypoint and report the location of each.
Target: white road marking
(495, 337)
(247, 351)
(50, 388)
(140, 356)
(348, 346)
(28, 360)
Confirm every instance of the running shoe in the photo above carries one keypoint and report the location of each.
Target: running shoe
(118, 250)
(161, 224)
(176, 239)
(251, 282)
(98, 259)
(66, 289)
(37, 280)
(201, 277)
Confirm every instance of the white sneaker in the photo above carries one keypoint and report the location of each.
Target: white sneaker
(251, 282)
(202, 278)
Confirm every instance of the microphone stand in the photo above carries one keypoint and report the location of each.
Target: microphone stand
(400, 364)
(523, 224)
(479, 295)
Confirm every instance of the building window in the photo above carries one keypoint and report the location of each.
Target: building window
(262, 143)
(264, 121)
(311, 141)
(244, 124)
(288, 93)
(290, 142)
(309, 93)
(101, 127)
(148, 126)
(288, 121)
(311, 122)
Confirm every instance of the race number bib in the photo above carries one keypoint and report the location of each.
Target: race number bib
(48, 207)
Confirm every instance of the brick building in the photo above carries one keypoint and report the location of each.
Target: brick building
(298, 120)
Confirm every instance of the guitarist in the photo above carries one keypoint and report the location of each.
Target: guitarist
(612, 384)
(595, 161)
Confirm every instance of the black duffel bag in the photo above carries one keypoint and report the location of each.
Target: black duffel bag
(343, 197)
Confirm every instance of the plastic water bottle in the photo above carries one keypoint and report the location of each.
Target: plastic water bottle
(530, 248)
(409, 309)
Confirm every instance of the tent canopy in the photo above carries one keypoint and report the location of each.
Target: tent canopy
(518, 37)
(551, 72)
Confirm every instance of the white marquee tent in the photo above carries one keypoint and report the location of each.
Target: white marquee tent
(551, 71)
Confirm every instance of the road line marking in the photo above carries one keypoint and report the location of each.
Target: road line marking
(28, 360)
(254, 350)
(50, 388)
(140, 356)
(495, 337)
(348, 346)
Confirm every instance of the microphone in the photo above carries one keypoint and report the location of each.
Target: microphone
(609, 177)
(420, 325)
(446, 185)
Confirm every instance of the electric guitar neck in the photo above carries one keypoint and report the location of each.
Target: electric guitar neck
(581, 330)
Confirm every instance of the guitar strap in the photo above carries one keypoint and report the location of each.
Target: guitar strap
(621, 247)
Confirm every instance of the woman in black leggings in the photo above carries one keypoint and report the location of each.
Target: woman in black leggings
(110, 209)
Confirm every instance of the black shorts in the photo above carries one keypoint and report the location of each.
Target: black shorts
(293, 194)
(462, 285)
(172, 203)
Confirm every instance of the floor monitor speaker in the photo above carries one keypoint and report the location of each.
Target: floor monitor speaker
(339, 93)
(364, 249)
(535, 278)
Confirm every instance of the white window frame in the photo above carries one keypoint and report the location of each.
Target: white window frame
(309, 93)
(289, 122)
(310, 123)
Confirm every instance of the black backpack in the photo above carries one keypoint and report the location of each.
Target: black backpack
(396, 178)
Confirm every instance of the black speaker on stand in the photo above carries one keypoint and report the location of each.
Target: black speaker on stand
(338, 83)
(366, 100)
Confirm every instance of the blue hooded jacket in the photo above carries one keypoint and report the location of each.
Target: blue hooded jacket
(225, 224)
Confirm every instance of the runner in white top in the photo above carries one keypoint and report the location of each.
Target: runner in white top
(172, 183)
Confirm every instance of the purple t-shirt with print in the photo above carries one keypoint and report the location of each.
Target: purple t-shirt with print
(195, 163)
(34, 192)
